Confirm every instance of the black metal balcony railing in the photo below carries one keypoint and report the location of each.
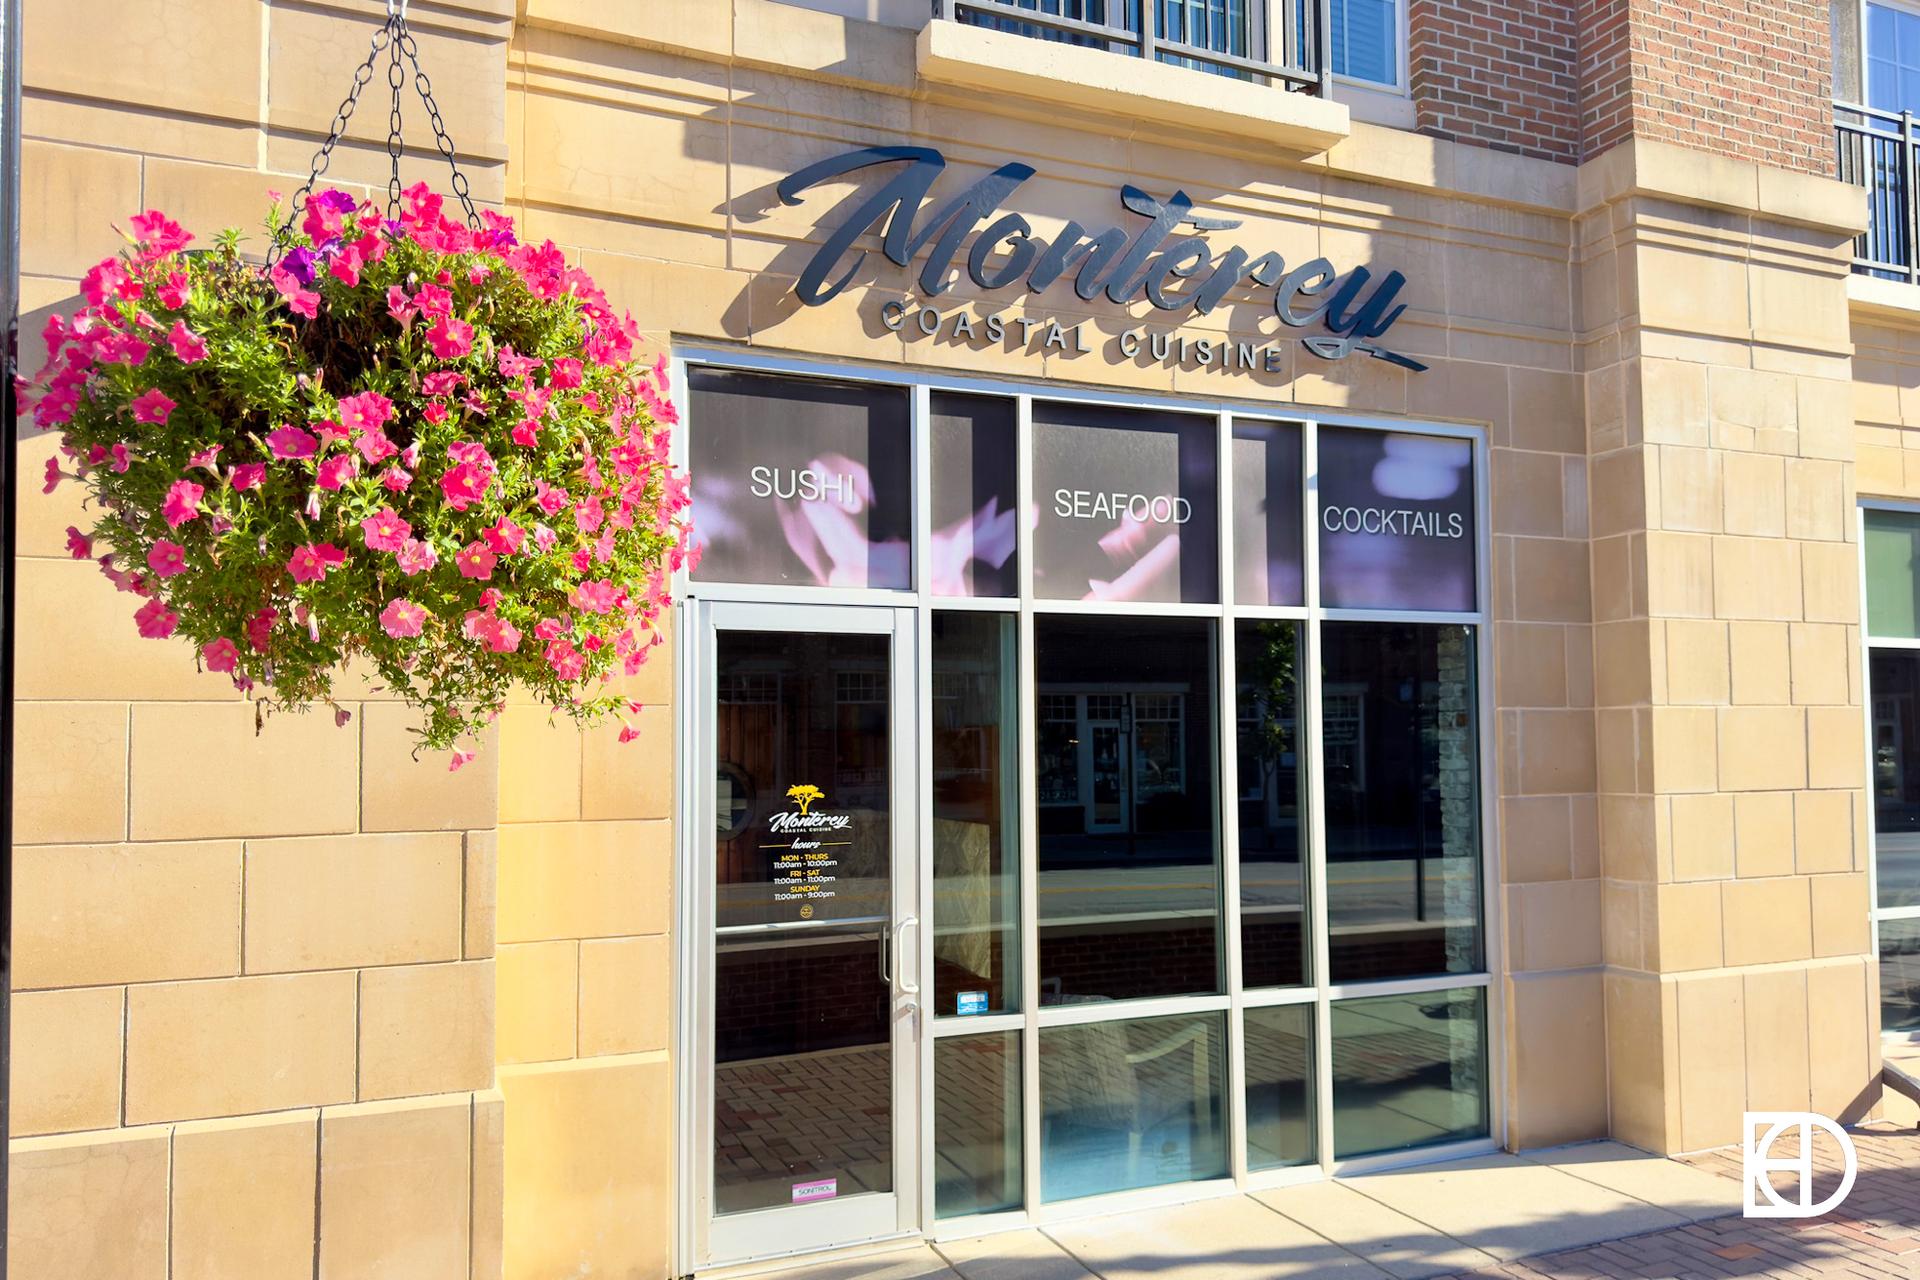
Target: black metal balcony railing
(1282, 42)
(1875, 149)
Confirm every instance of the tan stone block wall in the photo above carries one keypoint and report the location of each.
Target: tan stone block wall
(1730, 766)
(254, 975)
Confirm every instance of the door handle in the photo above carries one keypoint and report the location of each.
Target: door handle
(886, 953)
(913, 923)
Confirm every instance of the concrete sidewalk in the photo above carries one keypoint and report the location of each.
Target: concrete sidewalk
(1464, 1216)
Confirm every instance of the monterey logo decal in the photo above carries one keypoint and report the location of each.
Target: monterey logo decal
(1165, 259)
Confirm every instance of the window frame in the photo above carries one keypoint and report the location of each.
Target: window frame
(1877, 914)
(1234, 998)
(1909, 7)
(1400, 87)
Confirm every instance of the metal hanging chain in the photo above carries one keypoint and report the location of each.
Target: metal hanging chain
(394, 39)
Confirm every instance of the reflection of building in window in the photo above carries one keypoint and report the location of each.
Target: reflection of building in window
(1092, 743)
(1343, 736)
(860, 708)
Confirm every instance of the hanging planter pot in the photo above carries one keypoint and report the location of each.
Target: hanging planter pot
(406, 441)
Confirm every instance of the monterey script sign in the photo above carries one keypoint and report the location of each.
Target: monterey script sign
(1162, 258)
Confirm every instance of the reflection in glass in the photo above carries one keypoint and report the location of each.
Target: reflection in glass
(971, 465)
(1125, 504)
(1408, 1071)
(1273, 891)
(1267, 534)
(800, 481)
(1396, 521)
(1279, 1098)
(976, 1124)
(1894, 679)
(802, 735)
(1131, 1104)
(1900, 975)
(1891, 547)
(1129, 894)
(1403, 799)
(803, 1059)
(976, 872)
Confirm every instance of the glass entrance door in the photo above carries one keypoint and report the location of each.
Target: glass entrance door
(811, 994)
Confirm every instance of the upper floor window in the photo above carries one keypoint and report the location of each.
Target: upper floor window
(1367, 38)
(1893, 57)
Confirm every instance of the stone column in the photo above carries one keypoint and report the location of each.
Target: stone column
(1717, 351)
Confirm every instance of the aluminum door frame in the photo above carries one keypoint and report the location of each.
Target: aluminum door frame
(707, 1242)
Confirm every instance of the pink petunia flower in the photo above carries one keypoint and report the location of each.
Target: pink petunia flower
(155, 620)
(552, 500)
(399, 306)
(565, 374)
(311, 563)
(300, 300)
(459, 757)
(167, 558)
(451, 338)
(292, 442)
(415, 557)
(122, 458)
(174, 293)
(442, 382)
(152, 406)
(182, 504)
(337, 470)
(368, 411)
(526, 433)
(260, 628)
(385, 530)
(159, 234)
(402, 619)
(248, 475)
(79, 545)
(346, 265)
(53, 476)
(595, 596)
(464, 485)
(475, 561)
(220, 655)
(189, 346)
(205, 458)
(505, 537)
(395, 480)
(375, 447)
(567, 662)
(435, 412)
(544, 538)
(435, 303)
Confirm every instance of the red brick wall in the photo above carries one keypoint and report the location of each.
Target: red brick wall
(1568, 79)
(1501, 73)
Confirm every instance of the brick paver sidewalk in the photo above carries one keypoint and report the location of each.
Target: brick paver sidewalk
(1874, 1233)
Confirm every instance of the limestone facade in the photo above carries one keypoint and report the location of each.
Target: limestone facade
(295, 1004)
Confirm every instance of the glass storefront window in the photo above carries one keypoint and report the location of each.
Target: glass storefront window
(1408, 1071)
(976, 1124)
(1273, 875)
(800, 481)
(1268, 487)
(1126, 505)
(1894, 677)
(1129, 856)
(976, 815)
(972, 548)
(1279, 1045)
(1396, 521)
(1401, 780)
(1131, 1104)
(1079, 937)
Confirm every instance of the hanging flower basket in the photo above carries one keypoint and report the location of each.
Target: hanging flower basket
(410, 442)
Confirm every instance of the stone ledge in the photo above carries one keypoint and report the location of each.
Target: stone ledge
(1893, 302)
(998, 62)
(1666, 171)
